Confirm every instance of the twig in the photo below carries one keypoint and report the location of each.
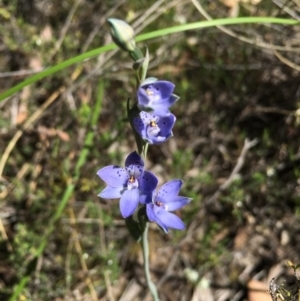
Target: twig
(37, 275)
(34, 117)
(287, 9)
(81, 258)
(139, 24)
(286, 61)
(99, 25)
(275, 110)
(104, 60)
(21, 173)
(14, 110)
(170, 269)
(64, 29)
(103, 248)
(20, 72)
(239, 37)
(68, 264)
(240, 162)
(110, 294)
(4, 236)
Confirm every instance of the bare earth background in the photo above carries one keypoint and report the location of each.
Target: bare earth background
(236, 146)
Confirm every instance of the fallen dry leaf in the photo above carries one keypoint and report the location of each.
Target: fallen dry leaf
(51, 132)
(258, 291)
(253, 2)
(22, 113)
(64, 136)
(35, 63)
(230, 3)
(46, 33)
(234, 3)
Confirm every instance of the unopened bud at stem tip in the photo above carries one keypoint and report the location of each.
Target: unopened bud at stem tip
(122, 34)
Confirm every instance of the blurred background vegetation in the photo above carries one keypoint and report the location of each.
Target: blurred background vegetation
(235, 145)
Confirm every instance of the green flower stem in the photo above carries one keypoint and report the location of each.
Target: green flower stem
(143, 222)
(145, 247)
(144, 226)
(136, 54)
(145, 150)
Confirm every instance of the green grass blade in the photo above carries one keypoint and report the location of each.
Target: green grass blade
(212, 23)
(56, 68)
(143, 37)
(19, 288)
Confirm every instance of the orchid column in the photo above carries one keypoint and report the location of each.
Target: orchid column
(152, 123)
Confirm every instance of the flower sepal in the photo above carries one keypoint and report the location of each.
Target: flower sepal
(141, 67)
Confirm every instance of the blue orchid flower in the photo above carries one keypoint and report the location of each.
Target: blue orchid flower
(127, 183)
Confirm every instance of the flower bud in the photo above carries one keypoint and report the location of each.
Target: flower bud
(122, 34)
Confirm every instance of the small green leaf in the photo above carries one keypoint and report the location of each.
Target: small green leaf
(144, 67)
(133, 227)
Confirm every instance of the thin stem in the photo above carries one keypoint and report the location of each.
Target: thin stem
(145, 150)
(142, 149)
(145, 247)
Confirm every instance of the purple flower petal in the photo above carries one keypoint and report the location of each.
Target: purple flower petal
(169, 191)
(154, 129)
(129, 202)
(134, 159)
(158, 140)
(177, 203)
(150, 213)
(146, 198)
(111, 192)
(166, 200)
(164, 87)
(140, 127)
(170, 220)
(134, 165)
(143, 99)
(113, 175)
(166, 124)
(156, 95)
(160, 109)
(172, 99)
(147, 117)
(147, 182)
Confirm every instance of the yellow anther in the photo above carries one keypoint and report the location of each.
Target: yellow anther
(153, 124)
(149, 92)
